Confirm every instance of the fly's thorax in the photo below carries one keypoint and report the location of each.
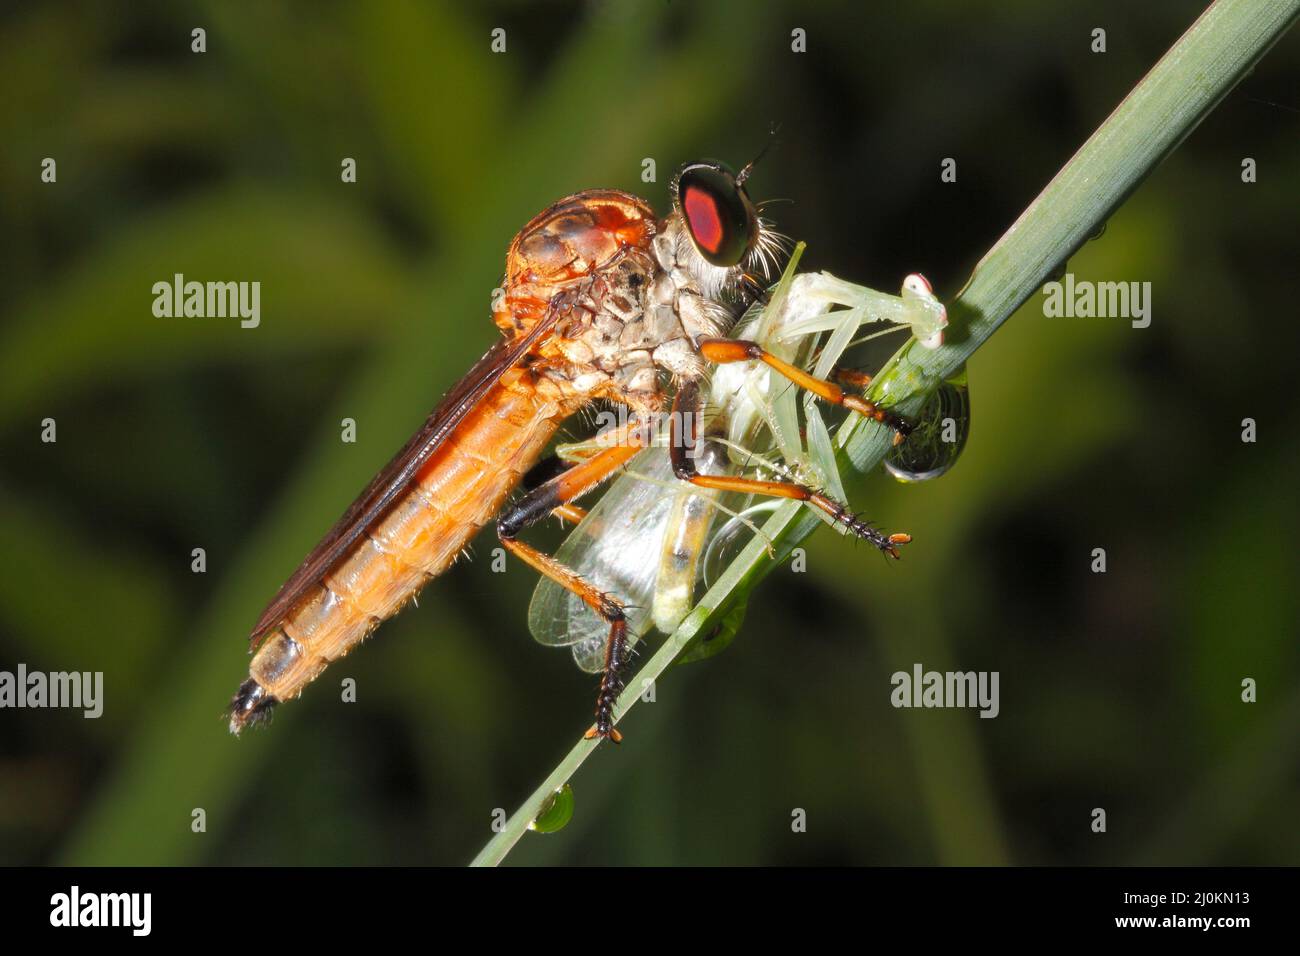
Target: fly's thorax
(604, 339)
(627, 327)
(566, 246)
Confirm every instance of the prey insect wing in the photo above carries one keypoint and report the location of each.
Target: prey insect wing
(616, 548)
(642, 542)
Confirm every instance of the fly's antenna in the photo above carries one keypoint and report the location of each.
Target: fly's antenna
(749, 166)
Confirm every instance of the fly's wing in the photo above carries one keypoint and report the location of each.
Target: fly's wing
(615, 547)
(389, 484)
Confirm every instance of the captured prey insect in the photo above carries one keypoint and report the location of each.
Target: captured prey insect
(648, 537)
(603, 300)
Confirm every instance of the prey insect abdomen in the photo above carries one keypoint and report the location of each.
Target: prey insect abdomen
(455, 494)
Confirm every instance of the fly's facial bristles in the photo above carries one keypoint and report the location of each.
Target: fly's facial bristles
(769, 236)
(768, 250)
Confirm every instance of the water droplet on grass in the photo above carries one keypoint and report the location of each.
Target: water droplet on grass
(939, 436)
(556, 812)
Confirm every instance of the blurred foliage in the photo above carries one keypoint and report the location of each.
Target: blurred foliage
(1118, 690)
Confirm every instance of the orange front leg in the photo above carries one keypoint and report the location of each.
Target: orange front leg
(722, 351)
(686, 409)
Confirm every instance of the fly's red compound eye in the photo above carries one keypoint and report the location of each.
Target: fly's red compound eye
(718, 214)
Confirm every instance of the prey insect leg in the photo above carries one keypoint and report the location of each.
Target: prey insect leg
(722, 351)
(687, 408)
(549, 498)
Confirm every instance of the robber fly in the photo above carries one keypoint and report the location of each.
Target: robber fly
(602, 300)
(647, 538)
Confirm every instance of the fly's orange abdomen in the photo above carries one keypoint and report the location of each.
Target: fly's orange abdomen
(457, 491)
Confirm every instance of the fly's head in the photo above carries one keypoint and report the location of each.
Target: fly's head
(715, 235)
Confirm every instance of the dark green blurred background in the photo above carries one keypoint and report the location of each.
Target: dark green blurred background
(1118, 690)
